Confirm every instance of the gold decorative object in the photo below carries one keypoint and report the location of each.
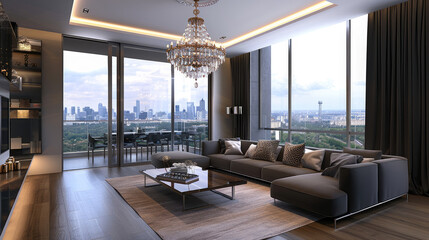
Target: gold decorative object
(195, 54)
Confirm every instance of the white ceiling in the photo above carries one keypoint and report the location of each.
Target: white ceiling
(230, 18)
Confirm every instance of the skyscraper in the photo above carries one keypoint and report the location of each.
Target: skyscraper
(320, 110)
(202, 109)
(150, 113)
(73, 110)
(190, 110)
(137, 109)
(177, 109)
(65, 113)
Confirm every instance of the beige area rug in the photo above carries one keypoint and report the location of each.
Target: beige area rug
(251, 215)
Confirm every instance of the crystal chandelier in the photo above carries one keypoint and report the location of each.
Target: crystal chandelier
(195, 54)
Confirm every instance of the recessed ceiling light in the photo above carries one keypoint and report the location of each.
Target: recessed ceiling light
(223, 37)
(85, 10)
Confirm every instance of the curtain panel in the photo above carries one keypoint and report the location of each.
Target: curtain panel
(240, 69)
(397, 89)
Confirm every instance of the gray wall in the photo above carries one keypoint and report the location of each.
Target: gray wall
(222, 90)
(50, 161)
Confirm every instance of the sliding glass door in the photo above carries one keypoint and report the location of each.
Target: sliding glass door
(120, 106)
(147, 104)
(89, 84)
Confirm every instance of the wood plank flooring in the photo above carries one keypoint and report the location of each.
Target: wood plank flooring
(80, 204)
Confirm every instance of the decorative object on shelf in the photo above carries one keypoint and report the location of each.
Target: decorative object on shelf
(26, 60)
(236, 110)
(24, 44)
(195, 54)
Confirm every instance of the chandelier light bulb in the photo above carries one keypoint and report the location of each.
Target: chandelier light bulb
(195, 54)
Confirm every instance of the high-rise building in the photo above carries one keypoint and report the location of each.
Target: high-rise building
(177, 110)
(73, 110)
(65, 113)
(137, 109)
(320, 110)
(190, 110)
(202, 109)
(150, 113)
(102, 111)
(143, 115)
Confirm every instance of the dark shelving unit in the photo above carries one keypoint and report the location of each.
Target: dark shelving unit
(26, 102)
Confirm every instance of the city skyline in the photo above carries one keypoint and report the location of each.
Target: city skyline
(191, 112)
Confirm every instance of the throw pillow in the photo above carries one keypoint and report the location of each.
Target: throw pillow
(376, 154)
(233, 148)
(313, 159)
(250, 151)
(277, 154)
(266, 150)
(222, 143)
(338, 160)
(293, 154)
(365, 160)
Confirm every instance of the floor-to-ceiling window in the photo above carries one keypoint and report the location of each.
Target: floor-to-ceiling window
(147, 107)
(190, 112)
(319, 112)
(85, 106)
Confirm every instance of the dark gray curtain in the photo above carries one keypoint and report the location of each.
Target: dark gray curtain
(240, 69)
(397, 89)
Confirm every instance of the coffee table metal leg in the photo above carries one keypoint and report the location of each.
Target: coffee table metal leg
(183, 202)
(225, 195)
(144, 180)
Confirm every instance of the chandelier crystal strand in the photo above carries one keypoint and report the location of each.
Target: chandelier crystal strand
(195, 54)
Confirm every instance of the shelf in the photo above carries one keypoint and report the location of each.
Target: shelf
(28, 69)
(26, 52)
(25, 108)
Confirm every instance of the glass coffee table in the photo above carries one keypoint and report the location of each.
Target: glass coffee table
(209, 180)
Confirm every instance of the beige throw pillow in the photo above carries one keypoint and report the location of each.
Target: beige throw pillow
(293, 154)
(250, 151)
(367, 160)
(313, 159)
(233, 148)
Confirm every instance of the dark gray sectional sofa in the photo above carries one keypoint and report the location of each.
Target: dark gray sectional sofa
(359, 186)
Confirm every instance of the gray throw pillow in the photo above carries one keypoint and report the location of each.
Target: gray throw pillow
(222, 143)
(313, 159)
(266, 150)
(233, 148)
(338, 160)
(376, 154)
(293, 154)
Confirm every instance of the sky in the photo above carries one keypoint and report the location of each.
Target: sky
(319, 69)
(85, 83)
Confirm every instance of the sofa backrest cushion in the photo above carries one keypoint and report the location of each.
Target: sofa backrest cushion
(376, 154)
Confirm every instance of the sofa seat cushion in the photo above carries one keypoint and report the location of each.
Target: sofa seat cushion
(222, 161)
(250, 167)
(273, 172)
(313, 192)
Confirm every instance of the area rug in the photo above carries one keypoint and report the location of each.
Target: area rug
(251, 215)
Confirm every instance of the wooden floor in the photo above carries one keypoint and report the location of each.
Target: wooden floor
(80, 204)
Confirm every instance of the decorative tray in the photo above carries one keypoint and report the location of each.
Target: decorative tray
(178, 177)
